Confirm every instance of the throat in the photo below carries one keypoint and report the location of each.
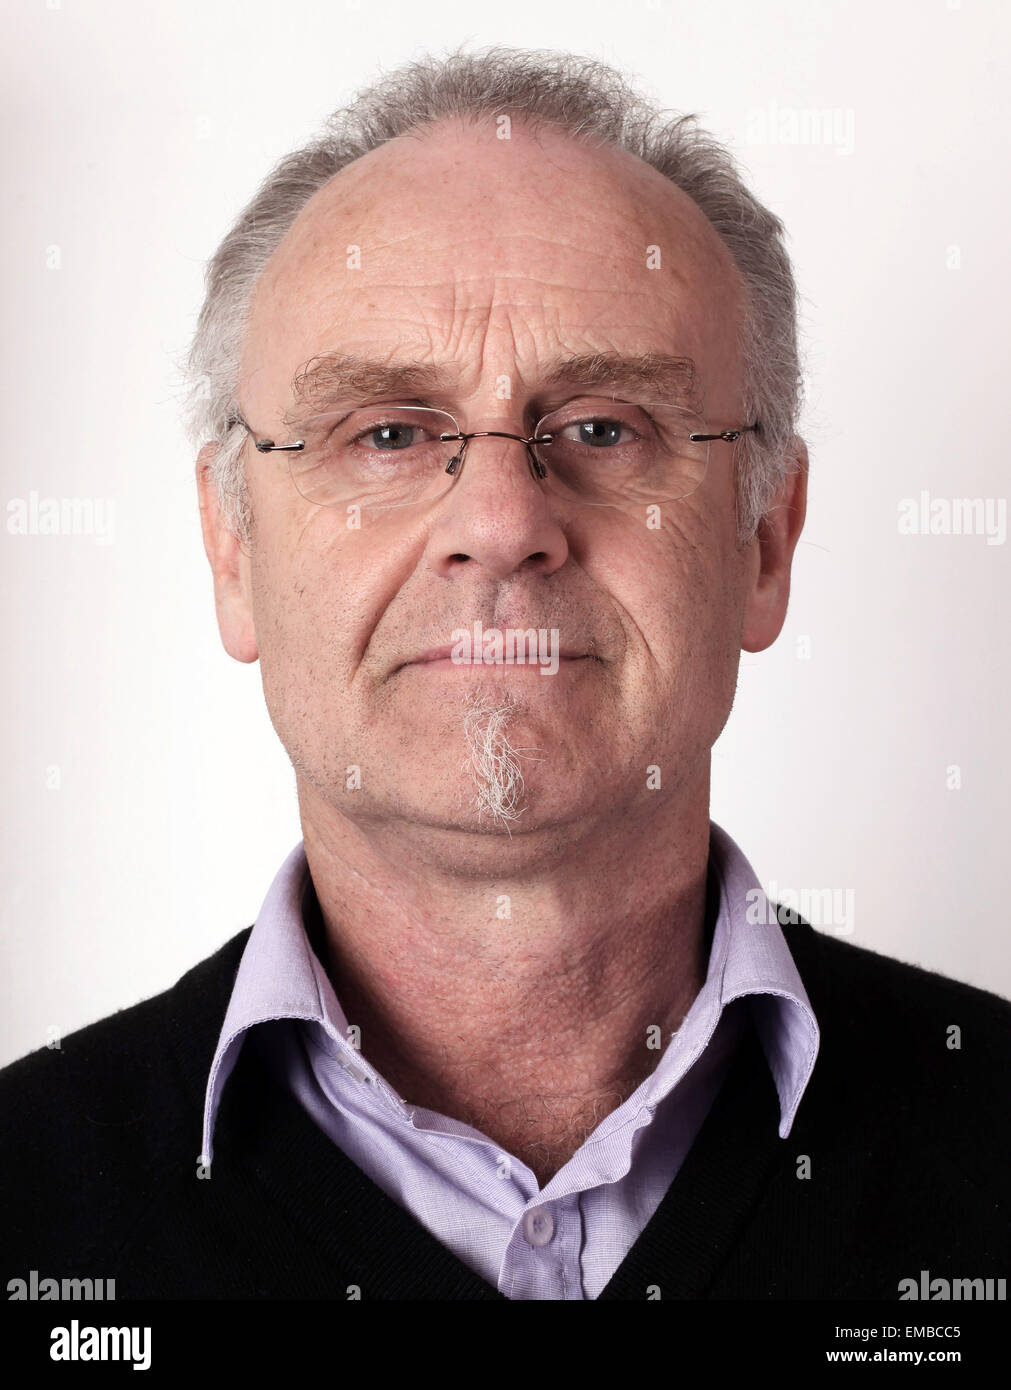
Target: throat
(541, 1131)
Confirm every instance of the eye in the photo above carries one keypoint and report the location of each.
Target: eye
(596, 432)
(390, 437)
(390, 431)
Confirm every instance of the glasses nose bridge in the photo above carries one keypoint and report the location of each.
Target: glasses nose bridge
(536, 467)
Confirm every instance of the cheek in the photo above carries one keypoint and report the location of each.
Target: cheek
(679, 594)
(303, 612)
(686, 575)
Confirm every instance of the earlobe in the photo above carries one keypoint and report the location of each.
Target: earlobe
(229, 565)
(773, 548)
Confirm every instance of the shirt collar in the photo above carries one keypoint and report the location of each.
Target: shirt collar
(280, 976)
(749, 957)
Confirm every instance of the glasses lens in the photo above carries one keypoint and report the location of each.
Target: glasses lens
(375, 457)
(621, 453)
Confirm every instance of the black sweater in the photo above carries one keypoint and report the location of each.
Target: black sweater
(908, 1141)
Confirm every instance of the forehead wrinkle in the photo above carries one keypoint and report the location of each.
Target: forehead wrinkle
(486, 341)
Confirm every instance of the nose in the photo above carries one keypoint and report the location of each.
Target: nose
(496, 515)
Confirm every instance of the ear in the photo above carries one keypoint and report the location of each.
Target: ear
(774, 543)
(229, 565)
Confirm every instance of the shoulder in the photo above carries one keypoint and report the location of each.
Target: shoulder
(95, 1122)
(860, 987)
(117, 1057)
(909, 1053)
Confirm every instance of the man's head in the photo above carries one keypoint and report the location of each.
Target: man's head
(489, 244)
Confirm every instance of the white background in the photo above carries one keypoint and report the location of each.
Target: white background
(133, 133)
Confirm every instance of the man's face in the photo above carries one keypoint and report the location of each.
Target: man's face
(493, 259)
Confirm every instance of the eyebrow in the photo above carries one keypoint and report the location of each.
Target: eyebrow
(333, 378)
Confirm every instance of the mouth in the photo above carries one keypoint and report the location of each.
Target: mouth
(450, 658)
(435, 654)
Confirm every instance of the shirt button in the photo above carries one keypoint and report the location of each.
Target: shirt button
(538, 1226)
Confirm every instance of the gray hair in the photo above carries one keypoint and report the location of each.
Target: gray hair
(589, 101)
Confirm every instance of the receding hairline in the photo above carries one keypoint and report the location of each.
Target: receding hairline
(704, 235)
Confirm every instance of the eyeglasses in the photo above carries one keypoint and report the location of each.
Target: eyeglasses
(600, 451)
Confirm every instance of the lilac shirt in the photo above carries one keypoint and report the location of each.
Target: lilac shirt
(565, 1240)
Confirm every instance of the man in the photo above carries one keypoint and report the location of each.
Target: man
(497, 388)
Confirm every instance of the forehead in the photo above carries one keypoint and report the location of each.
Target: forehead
(451, 244)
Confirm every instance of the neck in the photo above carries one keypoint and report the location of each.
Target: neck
(518, 1000)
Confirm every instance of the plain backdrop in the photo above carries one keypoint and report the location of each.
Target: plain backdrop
(148, 802)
